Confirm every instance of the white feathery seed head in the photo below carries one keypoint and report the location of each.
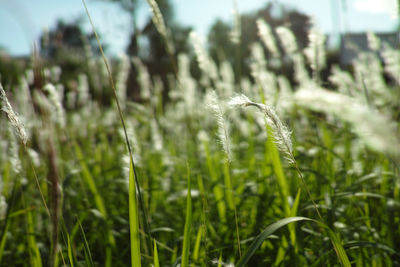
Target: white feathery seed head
(55, 100)
(236, 32)
(14, 119)
(143, 78)
(156, 136)
(315, 52)
(206, 65)
(281, 134)
(122, 78)
(266, 36)
(287, 38)
(83, 89)
(3, 207)
(239, 101)
(300, 71)
(13, 155)
(223, 126)
(55, 74)
(374, 43)
(157, 17)
(342, 80)
(391, 57)
(159, 22)
(374, 129)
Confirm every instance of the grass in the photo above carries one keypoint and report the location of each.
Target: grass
(344, 209)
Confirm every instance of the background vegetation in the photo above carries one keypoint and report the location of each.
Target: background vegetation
(214, 184)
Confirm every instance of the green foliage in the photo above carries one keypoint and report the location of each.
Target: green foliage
(351, 177)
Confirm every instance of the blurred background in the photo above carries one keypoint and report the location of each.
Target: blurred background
(24, 22)
(330, 69)
(60, 29)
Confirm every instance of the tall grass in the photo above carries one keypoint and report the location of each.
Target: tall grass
(339, 134)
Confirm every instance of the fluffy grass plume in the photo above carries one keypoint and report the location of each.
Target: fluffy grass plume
(315, 52)
(223, 129)
(287, 38)
(206, 65)
(374, 129)
(55, 99)
(13, 117)
(159, 22)
(236, 32)
(282, 134)
(266, 36)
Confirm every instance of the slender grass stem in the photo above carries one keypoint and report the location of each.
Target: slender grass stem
(146, 223)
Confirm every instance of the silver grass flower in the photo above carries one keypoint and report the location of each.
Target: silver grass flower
(206, 64)
(300, 71)
(55, 99)
(34, 155)
(265, 79)
(143, 78)
(288, 40)
(369, 76)
(157, 18)
(226, 85)
(223, 127)
(315, 51)
(3, 207)
(55, 74)
(122, 78)
(13, 158)
(14, 119)
(374, 43)
(281, 134)
(266, 36)
(83, 90)
(342, 80)
(284, 102)
(236, 32)
(374, 129)
(159, 22)
(156, 137)
(391, 57)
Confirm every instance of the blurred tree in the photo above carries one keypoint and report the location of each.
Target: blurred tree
(220, 44)
(69, 47)
(147, 43)
(275, 14)
(67, 38)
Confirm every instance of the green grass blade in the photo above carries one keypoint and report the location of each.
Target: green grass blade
(264, 235)
(196, 249)
(88, 254)
(217, 190)
(121, 116)
(278, 170)
(220, 260)
(7, 221)
(3, 237)
(360, 245)
(293, 213)
(36, 260)
(341, 253)
(134, 220)
(337, 244)
(156, 260)
(188, 224)
(98, 200)
(70, 257)
(89, 180)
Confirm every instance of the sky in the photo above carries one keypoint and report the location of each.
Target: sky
(22, 21)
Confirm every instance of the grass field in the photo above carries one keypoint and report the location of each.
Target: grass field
(261, 172)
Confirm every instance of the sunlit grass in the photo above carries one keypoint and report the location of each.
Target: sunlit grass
(217, 186)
